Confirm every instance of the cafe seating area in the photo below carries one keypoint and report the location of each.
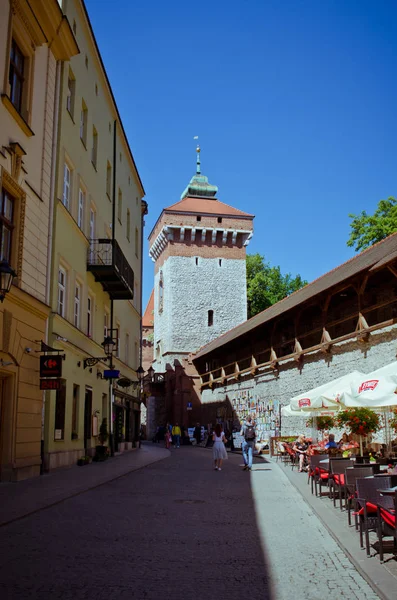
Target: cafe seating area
(364, 489)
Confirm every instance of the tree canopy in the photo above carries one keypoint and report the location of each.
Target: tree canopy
(366, 229)
(266, 285)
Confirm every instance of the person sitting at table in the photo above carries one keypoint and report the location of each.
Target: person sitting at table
(331, 442)
(300, 447)
(345, 440)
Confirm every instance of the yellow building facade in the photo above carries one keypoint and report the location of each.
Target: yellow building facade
(35, 38)
(96, 261)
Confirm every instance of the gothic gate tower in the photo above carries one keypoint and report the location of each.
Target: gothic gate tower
(199, 249)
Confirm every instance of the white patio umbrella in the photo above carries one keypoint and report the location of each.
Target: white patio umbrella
(374, 390)
(326, 396)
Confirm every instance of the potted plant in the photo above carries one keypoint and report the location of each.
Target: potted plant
(323, 423)
(101, 451)
(360, 421)
(84, 460)
(393, 420)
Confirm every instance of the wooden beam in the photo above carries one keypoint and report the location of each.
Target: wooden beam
(236, 373)
(326, 341)
(392, 270)
(254, 366)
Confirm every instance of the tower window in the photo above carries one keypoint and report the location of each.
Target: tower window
(210, 318)
(198, 218)
(220, 262)
(219, 219)
(196, 260)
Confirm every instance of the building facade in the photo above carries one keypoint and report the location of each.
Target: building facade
(96, 261)
(342, 322)
(199, 249)
(36, 39)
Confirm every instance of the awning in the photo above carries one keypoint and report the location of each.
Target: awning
(374, 390)
(326, 396)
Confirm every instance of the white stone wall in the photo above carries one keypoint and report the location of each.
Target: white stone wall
(317, 370)
(190, 290)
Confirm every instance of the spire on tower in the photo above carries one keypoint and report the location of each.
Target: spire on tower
(198, 169)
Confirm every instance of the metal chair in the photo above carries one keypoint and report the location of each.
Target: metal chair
(367, 500)
(351, 475)
(314, 469)
(387, 523)
(337, 477)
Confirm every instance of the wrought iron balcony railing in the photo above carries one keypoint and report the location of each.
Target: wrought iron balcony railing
(106, 261)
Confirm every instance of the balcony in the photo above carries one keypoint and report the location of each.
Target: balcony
(110, 268)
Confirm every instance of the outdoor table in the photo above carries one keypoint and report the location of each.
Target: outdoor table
(325, 461)
(388, 491)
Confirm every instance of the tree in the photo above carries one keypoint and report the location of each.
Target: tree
(366, 229)
(266, 285)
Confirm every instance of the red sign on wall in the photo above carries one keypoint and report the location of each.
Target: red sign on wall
(50, 384)
(50, 366)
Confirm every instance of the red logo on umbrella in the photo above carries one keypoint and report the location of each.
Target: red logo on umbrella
(304, 402)
(367, 386)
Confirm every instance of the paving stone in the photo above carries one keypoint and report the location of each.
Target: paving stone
(178, 523)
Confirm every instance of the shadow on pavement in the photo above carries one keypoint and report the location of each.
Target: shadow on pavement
(176, 528)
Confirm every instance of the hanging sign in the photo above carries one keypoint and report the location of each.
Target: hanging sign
(50, 366)
(50, 384)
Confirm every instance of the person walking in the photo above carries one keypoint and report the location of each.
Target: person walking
(176, 435)
(167, 438)
(197, 433)
(249, 435)
(219, 453)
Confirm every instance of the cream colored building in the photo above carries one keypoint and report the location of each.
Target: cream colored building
(35, 37)
(96, 258)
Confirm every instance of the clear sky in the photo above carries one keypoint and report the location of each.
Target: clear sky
(294, 103)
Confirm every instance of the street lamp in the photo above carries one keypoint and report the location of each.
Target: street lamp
(150, 372)
(140, 373)
(7, 274)
(108, 345)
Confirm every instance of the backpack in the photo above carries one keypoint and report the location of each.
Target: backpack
(249, 433)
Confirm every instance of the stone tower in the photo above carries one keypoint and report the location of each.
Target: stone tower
(199, 249)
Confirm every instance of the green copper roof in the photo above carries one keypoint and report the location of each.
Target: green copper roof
(198, 185)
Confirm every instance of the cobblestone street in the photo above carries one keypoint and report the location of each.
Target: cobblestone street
(177, 528)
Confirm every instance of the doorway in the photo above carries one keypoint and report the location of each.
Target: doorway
(7, 426)
(87, 418)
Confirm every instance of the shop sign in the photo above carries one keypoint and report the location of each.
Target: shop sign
(50, 366)
(50, 384)
(111, 374)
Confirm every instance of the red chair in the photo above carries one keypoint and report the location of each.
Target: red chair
(337, 469)
(367, 501)
(387, 525)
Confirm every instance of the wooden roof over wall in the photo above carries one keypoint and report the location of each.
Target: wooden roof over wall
(373, 258)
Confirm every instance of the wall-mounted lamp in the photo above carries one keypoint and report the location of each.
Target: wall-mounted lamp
(6, 277)
(99, 374)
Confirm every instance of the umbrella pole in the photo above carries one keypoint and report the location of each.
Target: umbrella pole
(361, 445)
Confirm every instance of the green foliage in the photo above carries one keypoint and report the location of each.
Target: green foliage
(393, 421)
(266, 285)
(323, 423)
(359, 420)
(366, 229)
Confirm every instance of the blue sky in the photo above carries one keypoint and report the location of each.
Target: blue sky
(294, 103)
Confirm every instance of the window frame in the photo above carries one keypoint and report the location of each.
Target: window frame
(81, 208)
(6, 224)
(120, 205)
(94, 151)
(71, 94)
(137, 242)
(128, 233)
(83, 123)
(77, 303)
(90, 314)
(66, 167)
(62, 289)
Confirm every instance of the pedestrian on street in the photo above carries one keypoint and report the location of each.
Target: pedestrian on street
(168, 438)
(197, 433)
(176, 435)
(249, 435)
(218, 449)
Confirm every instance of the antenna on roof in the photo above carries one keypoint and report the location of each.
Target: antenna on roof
(198, 167)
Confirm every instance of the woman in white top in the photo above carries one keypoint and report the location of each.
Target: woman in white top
(218, 449)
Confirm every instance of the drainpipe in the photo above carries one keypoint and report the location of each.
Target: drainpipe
(111, 434)
(54, 155)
